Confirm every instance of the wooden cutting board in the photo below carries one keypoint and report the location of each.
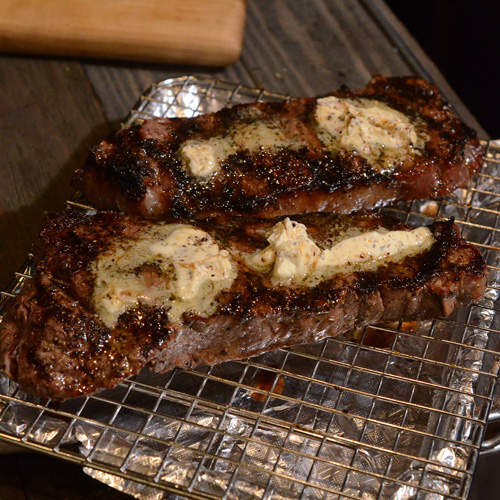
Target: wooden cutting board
(203, 32)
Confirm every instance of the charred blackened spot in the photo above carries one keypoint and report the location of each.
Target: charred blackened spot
(149, 326)
(368, 283)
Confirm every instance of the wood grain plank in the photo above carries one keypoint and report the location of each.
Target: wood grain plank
(49, 115)
(310, 48)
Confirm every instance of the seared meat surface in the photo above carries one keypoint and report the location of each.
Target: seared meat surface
(58, 341)
(341, 154)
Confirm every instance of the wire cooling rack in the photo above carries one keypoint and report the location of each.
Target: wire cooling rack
(394, 411)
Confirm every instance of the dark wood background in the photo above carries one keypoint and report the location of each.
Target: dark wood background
(52, 109)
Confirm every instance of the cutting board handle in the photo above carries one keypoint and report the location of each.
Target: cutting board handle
(202, 32)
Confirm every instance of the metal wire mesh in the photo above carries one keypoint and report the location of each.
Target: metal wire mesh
(394, 411)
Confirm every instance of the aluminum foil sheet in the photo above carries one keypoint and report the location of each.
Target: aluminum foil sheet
(391, 412)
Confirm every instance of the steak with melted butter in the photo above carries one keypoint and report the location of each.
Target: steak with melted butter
(54, 341)
(396, 139)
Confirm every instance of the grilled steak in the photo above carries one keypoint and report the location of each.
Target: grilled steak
(395, 139)
(114, 293)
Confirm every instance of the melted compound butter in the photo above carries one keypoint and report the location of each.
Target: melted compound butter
(291, 253)
(175, 266)
(380, 134)
(203, 158)
(292, 257)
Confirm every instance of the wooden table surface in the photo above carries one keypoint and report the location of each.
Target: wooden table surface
(51, 109)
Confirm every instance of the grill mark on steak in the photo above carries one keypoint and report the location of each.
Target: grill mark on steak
(138, 170)
(53, 344)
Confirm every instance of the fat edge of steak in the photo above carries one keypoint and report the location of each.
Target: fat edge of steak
(139, 171)
(54, 344)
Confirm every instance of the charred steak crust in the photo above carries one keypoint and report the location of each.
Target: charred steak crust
(54, 344)
(138, 170)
